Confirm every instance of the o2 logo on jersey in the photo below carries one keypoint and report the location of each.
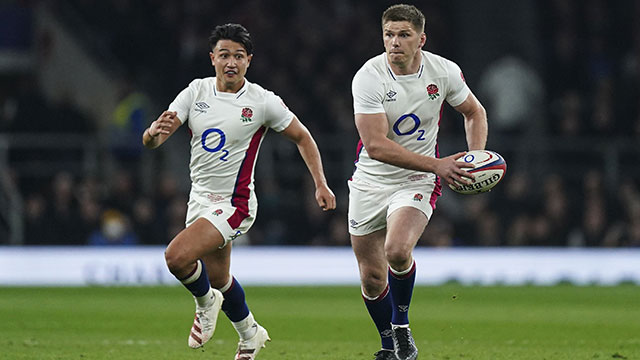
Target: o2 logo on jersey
(408, 124)
(222, 139)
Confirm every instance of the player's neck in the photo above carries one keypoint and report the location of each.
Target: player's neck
(411, 67)
(221, 86)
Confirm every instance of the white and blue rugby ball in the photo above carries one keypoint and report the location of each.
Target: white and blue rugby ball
(488, 168)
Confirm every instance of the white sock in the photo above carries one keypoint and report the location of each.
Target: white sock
(228, 285)
(405, 271)
(393, 326)
(245, 327)
(206, 299)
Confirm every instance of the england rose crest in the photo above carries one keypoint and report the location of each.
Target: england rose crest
(247, 113)
(433, 91)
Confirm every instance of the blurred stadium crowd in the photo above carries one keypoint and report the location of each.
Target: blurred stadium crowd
(560, 80)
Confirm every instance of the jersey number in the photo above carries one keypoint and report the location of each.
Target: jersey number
(221, 142)
(416, 124)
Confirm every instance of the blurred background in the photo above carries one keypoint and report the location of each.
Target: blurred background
(80, 80)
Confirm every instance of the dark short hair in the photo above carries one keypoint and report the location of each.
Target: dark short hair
(403, 12)
(233, 32)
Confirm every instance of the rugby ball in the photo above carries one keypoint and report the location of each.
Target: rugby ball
(488, 168)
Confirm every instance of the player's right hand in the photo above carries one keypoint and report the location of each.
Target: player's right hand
(451, 170)
(163, 124)
(325, 198)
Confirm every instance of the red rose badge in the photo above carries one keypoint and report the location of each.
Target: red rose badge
(432, 91)
(247, 113)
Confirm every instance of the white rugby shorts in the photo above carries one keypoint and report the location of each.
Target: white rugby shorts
(219, 214)
(371, 204)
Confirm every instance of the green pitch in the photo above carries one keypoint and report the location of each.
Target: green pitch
(448, 322)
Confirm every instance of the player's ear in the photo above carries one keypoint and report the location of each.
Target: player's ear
(211, 56)
(423, 40)
(249, 57)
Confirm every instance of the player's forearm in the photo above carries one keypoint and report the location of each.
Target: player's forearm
(476, 128)
(150, 142)
(311, 155)
(389, 152)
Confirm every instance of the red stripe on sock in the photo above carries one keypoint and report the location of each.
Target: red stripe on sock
(379, 297)
(191, 273)
(233, 283)
(405, 276)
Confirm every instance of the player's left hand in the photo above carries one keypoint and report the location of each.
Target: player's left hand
(325, 198)
(163, 125)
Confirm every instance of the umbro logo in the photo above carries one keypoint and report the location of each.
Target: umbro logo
(353, 223)
(201, 106)
(403, 308)
(391, 95)
(386, 333)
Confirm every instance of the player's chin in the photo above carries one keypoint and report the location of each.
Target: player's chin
(231, 81)
(396, 59)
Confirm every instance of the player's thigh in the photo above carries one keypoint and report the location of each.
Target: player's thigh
(410, 208)
(218, 264)
(404, 227)
(222, 215)
(197, 240)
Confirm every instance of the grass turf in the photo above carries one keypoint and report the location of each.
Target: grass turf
(448, 322)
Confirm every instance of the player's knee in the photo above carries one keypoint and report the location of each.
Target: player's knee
(398, 256)
(373, 283)
(177, 264)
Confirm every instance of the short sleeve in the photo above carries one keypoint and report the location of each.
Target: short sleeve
(277, 114)
(368, 93)
(458, 89)
(182, 103)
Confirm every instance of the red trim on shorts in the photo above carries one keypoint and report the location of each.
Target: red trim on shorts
(241, 191)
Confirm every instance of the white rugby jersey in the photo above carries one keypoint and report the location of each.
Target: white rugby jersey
(413, 106)
(226, 132)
